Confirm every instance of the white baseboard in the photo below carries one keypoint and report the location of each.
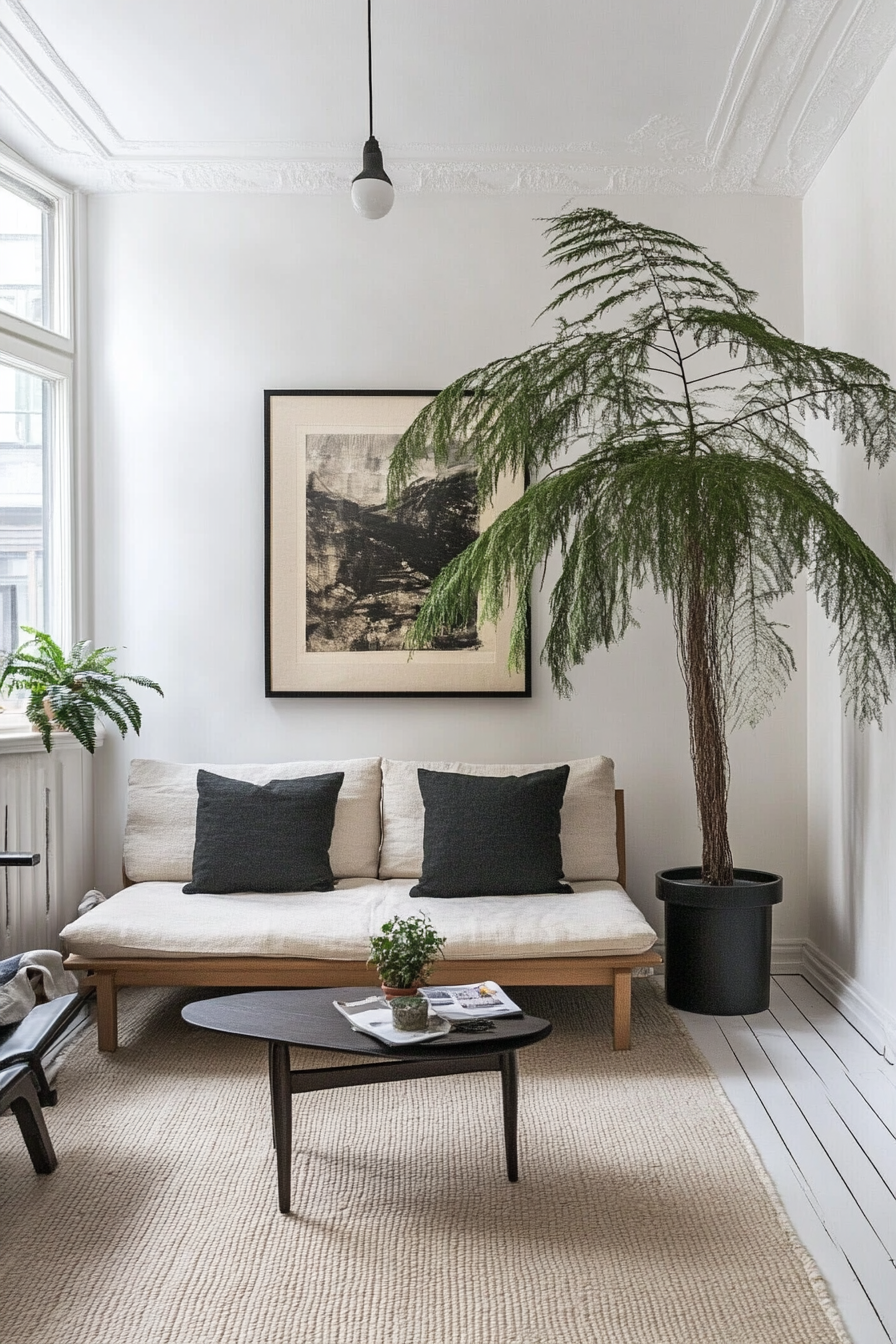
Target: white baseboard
(869, 1017)
(787, 956)
(797, 956)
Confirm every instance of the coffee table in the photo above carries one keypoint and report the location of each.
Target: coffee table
(285, 1017)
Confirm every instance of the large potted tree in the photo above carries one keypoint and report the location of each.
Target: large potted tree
(670, 451)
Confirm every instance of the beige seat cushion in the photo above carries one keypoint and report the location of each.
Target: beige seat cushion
(587, 822)
(156, 919)
(161, 825)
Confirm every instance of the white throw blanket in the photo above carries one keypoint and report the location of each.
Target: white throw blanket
(38, 977)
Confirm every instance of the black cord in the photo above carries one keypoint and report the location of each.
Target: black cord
(370, 67)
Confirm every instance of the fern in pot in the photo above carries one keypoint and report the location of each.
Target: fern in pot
(669, 451)
(69, 692)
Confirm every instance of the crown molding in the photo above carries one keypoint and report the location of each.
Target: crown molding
(69, 80)
(755, 39)
(806, 77)
(799, 73)
(853, 67)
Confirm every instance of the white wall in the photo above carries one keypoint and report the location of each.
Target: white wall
(197, 304)
(850, 282)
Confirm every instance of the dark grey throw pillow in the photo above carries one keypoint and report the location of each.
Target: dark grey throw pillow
(264, 837)
(486, 836)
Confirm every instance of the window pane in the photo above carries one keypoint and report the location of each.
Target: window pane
(25, 229)
(24, 399)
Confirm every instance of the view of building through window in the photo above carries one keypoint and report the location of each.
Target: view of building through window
(23, 439)
(36, 363)
(24, 248)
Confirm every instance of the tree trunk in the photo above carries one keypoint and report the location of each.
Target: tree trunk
(700, 663)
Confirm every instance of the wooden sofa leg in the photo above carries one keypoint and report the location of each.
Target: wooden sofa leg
(622, 1009)
(106, 1010)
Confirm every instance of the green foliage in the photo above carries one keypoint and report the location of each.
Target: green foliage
(404, 951)
(668, 447)
(74, 689)
(667, 452)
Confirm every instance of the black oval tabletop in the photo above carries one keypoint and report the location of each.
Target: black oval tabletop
(307, 1017)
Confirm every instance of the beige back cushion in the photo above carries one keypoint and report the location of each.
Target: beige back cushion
(587, 822)
(161, 825)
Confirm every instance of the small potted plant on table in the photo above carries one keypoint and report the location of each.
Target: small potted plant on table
(403, 953)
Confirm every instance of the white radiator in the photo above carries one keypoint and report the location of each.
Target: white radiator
(46, 808)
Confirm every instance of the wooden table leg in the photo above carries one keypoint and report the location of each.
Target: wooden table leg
(281, 1110)
(509, 1100)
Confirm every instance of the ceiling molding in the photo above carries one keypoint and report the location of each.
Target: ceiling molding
(334, 176)
(46, 90)
(69, 78)
(816, 65)
(798, 74)
(853, 66)
(31, 128)
(755, 37)
(793, 31)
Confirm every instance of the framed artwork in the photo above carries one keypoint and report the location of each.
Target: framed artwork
(345, 577)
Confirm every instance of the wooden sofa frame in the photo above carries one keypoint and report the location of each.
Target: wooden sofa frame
(107, 975)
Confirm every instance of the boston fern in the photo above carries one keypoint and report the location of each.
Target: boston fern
(668, 452)
(69, 692)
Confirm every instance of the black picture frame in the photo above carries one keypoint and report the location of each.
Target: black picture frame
(352, 647)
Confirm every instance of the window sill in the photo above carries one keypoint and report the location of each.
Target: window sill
(17, 736)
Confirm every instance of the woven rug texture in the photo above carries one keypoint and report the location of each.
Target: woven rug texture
(641, 1215)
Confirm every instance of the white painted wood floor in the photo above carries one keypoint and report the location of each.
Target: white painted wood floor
(819, 1103)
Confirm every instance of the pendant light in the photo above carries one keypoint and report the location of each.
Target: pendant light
(372, 191)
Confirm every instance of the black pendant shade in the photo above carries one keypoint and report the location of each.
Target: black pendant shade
(373, 163)
(372, 191)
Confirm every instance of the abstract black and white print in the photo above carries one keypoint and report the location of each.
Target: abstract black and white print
(368, 568)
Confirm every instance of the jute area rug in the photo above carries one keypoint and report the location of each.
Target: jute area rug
(641, 1215)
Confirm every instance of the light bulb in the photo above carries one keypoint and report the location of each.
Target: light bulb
(372, 197)
(372, 192)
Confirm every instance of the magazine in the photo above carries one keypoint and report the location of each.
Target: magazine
(373, 1016)
(460, 1003)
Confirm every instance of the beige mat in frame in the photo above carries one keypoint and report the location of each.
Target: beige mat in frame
(641, 1216)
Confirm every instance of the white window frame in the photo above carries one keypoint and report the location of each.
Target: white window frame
(49, 353)
(59, 334)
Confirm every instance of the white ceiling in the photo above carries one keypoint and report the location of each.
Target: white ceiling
(578, 96)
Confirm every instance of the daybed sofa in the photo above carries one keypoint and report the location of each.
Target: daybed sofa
(152, 933)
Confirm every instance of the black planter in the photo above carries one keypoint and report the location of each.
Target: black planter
(718, 940)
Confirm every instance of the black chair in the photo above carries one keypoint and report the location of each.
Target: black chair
(19, 1094)
(26, 1042)
(24, 1086)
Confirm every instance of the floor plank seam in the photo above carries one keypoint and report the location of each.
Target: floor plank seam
(819, 1283)
(806, 1085)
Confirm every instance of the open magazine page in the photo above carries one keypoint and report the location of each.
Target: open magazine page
(458, 1003)
(373, 1016)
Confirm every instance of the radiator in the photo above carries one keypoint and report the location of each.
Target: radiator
(46, 807)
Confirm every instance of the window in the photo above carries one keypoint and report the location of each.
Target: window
(25, 229)
(36, 375)
(25, 400)
(35, 250)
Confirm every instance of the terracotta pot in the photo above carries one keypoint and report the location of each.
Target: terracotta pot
(55, 725)
(390, 992)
